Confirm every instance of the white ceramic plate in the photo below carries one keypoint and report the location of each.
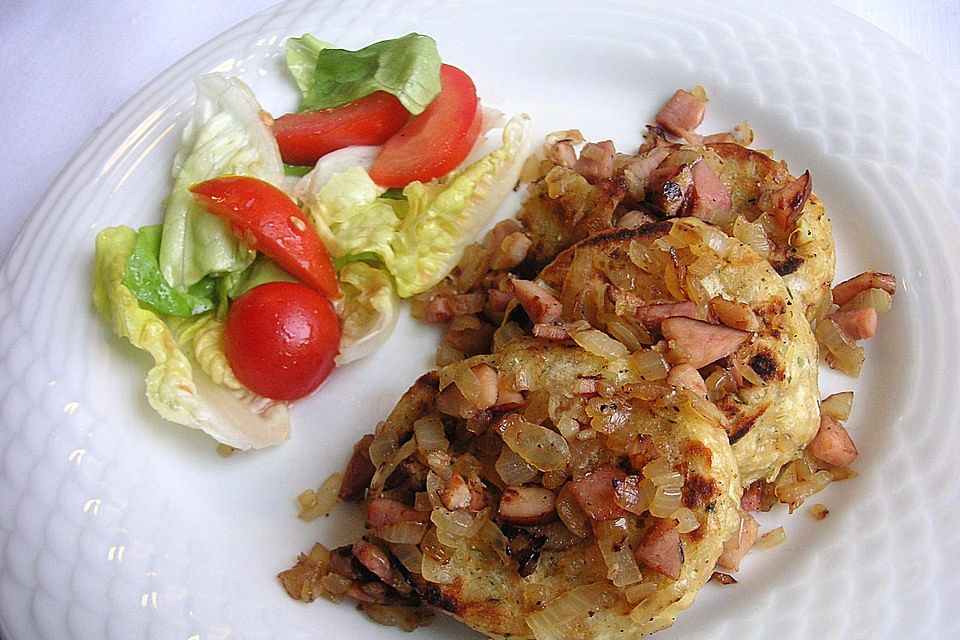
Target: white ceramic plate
(114, 524)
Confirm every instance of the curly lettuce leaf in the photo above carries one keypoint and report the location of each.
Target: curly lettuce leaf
(190, 382)
(406, 67)
(368, 311)
(226, 136)
(142, 277)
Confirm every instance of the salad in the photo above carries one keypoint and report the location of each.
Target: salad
(287, 243)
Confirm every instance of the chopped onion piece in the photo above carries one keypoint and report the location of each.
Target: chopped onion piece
(842, 353)
(613, 540)
(545, 449)
(772, 538)
(637, 593)
(600, 344)
(666, 501)
(552, 622)
(568, 427)
(686, 520)
(435, 571)
(629, 495)
(403, 532)
(409, 556)
(662, 475)
(513, 469)
(459, 524)
(383, 445)
(753, 235)
(571, 514)
(383, 472)
(430, 435)
(838, 405)
(879, 299)
(317, 504)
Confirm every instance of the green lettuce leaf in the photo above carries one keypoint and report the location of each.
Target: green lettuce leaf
(262, 271)
(190, 382)
(225, 136)
(407, 67)
(301, 56)
(142, 277)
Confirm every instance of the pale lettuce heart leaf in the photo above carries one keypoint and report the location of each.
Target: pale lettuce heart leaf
(368, 310)
(190, 382)
(226, 136)
(351, 218)
(422, 237)
(441, 219)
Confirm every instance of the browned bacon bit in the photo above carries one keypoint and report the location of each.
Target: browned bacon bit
(596, 161)
(563, 154)
(527, 505)
(524, 546)
(438, 310)
(722, 578)
(541, 305)
(550, 332)
(343, 563)
(638, 172)
(596, 495)
(714, 138)
(451, 400)
(759, 496)
(685, 376)
(386, 511)
(682, 113)
(377, 562)
(456, 495)
(699, 343)
(857, 324)
(512, 251)
(508, 398)
(660, 549)
(737, 315)
(651, 315)
(465, 303)
(359, 472)
(709, 194)
(832, 443)
(740, 543)
(669, 189)
(848, 289)
(788, 202)
(498, 300)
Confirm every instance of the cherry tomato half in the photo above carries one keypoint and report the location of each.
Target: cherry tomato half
(267, 220)
(281, 339)
(304, 138)
(433, 143)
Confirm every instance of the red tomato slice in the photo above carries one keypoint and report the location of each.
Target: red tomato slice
(433, 143)
(306, 137)
(267, 220)
(281, 339)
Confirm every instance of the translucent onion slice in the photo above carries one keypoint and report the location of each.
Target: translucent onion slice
(404, 532)
(409, 556)
(613, 540)
(316, 504)
(383, 445)
(876, 298)
(513, 469)
(650, 365)
(572, 515)
(600, 344)
(430, 435)
(389, 466)
(838, 405)
(842, 353)
(686, 520)
(662, 474)
(545, 449)
(492, 536)
(460, 524)
(665, 502)
(637, 593)
(629, 496)
(772, 538)
(753, 235)
(433, 570)
(552, 622)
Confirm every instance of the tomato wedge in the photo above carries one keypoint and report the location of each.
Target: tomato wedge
(267, 220)
(304, 138)
(433, 143)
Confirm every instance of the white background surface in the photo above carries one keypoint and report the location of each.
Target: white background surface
(66, 67)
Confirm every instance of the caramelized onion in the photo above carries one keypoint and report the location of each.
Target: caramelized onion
(513, 469)
(600, 344)
(545, 449)
(843, 354)
(838, 405)
(552, 622)
(613, 540)
(430, 435)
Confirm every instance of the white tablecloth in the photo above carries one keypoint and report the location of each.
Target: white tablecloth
(66, 66)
